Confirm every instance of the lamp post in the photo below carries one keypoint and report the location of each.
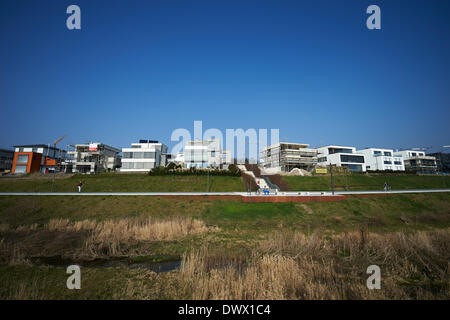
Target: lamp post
(54, 169)
(331, 176)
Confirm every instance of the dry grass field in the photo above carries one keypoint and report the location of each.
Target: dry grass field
(149, 248)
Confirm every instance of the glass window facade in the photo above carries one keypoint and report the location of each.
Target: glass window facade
(20, 169)
(339, 150)
(22, 158)
(352, 158)
(353, 167)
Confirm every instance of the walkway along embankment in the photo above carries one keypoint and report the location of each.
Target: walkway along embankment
(303, 196)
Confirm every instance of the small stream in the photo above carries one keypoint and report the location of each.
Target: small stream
(60, 262)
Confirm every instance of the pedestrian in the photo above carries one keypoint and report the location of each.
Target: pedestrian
(385, 186)
(79, 185)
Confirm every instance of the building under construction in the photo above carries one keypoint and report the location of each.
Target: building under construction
(92, 158)
(286, 156)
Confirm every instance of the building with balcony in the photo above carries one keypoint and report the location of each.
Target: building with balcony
(382, 159)
(37, 158)
(144, 156)
(205, 154)
(285, 156)
(341, 156)
(91, 158)
(417, 161)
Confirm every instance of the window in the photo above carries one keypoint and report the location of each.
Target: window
(387, 162)
(126, 165)
(353, 167)
(322, 159)
(377, 152)
(127, 155)
(22, 158)
(348, 158)
(20, 169)
(339, 150)
(388, 154)
(138, 155)
(148, 165)
(149, 155)
(139, 165)
(398, 163)
(213, 153)
(413, 154)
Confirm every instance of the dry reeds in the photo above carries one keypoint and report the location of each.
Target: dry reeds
(295, 266)
(126, 229)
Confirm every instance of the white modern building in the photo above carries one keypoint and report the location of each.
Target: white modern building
(341, 156)
(144, 156)
(285, 156)
(382, 159)
(93, 157)
(417, 161)
(205, 154)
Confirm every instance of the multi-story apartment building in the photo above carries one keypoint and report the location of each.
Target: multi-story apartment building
(6, 159)
(382, 159)
(285, 156)
(37, 157)
(417, 161)
(341, 157)
(92, 158)
(205, 154)
(144, 156)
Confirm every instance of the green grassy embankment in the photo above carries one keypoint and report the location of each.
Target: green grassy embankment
(110, 182)
(366, 182)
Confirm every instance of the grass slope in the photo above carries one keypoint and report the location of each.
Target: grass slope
(123, 183)
(366, 182)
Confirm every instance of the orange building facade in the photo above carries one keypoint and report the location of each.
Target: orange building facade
(36, 158)
(26, 162)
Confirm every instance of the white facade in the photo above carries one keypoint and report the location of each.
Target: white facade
(285, 156)
(144, 156)
(341, 156)
(205, 154)
(382, 159)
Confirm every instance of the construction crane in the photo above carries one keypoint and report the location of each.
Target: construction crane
(54, 169)
(56, 141)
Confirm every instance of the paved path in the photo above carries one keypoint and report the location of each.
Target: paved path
(287, 193)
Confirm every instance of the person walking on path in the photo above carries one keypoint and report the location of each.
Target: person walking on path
(79, 185)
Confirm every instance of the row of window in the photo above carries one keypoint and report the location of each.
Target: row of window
(352, 158)
(386, 153)
(139, 155)
(138, 165)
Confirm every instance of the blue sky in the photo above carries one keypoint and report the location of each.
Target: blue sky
(140, 69)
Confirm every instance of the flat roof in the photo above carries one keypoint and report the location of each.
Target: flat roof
(38, 146)
(333, 146)
(305, 145)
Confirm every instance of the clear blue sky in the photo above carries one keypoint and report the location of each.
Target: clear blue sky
(140, 69)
